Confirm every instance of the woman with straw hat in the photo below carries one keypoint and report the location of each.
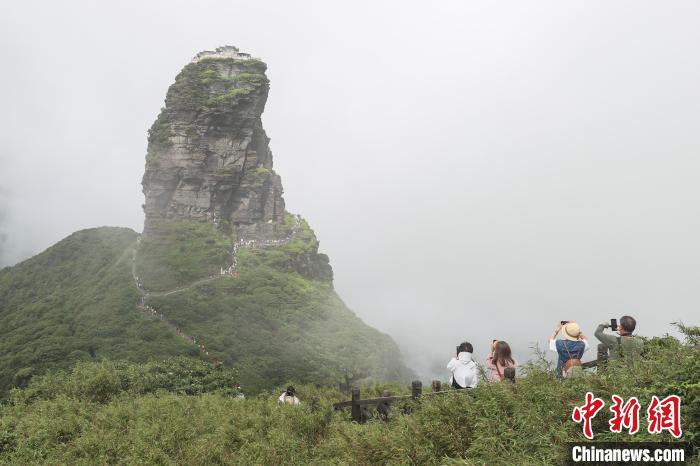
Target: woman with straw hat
(570, 349)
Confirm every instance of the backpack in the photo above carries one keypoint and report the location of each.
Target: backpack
(572, 367)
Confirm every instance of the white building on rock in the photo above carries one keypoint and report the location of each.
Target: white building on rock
(227, 51)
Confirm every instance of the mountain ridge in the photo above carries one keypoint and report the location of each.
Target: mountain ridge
(221, 269)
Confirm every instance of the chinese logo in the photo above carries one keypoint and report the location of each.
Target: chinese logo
(661, 415)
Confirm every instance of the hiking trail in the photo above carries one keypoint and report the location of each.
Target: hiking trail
(229, 271)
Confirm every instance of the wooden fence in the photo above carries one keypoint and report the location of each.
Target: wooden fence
(600, 360)
(360, 408)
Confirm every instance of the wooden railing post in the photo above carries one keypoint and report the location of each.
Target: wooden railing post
(356, 409)
(602, 356)
(416, 389)
(437, 385)
(383, 407)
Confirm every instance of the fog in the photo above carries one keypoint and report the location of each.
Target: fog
(474, 170)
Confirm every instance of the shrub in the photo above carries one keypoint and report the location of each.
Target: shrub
(525, 423)
(100, 382)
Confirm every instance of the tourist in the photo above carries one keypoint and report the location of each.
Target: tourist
(289, 397)
(570, 349)
(463, 369)
(624, 343)
(499, 359)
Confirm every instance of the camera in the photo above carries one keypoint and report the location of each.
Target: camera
(613, 324)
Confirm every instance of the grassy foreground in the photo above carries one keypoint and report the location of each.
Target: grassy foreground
(99, 414)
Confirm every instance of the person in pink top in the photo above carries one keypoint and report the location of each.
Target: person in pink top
(499, 359)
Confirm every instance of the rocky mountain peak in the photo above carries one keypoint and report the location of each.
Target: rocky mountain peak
(208, 155)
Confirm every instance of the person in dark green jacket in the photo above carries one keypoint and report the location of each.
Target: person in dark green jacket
(624, 343)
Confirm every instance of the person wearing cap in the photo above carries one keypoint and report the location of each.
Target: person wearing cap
(289, 397)
(570, 349)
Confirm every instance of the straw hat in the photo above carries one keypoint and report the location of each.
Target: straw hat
(571, 331)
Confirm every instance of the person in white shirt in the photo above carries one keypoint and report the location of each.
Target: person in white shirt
(464, 372)
(289, 397)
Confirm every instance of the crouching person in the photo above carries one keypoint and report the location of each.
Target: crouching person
(570, 349)
(289, 397)
(464, 373)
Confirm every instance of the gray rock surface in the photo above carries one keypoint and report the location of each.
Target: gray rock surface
(208, 154)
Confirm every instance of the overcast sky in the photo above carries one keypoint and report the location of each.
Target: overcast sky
(475, 170)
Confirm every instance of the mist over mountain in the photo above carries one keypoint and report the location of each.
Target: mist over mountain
(474, 170)
(177, 230)
(221, 272)
(3, 220)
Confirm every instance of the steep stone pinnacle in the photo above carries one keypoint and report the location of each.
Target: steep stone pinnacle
(208, 154)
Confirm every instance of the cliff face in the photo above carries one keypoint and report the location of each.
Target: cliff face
(208, 155)
(209, 182)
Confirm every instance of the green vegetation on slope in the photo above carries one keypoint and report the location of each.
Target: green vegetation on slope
(526, 423)
(179, 252)
(76, 301)
(281, 319)
(199, 84)
(102, 381)
(300, 255)
(208, 87)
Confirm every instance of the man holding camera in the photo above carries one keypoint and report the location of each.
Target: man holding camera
(624, 343)
(463, 368)
(289, 397)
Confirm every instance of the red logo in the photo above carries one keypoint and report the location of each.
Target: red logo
(587, 412)
(661, 415)
(665, 415)
(626, 415)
